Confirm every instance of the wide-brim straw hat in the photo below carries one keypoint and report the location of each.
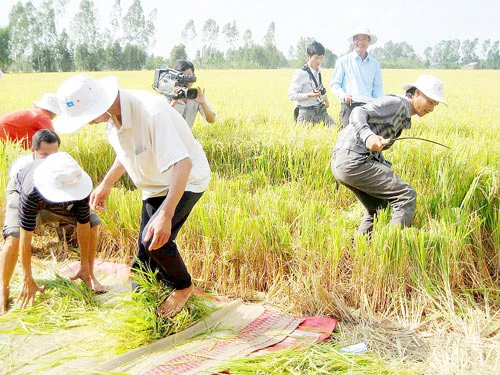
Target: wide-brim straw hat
(83, 99)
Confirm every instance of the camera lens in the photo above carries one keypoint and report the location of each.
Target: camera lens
(191, 93)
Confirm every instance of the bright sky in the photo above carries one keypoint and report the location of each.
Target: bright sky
(421, 23)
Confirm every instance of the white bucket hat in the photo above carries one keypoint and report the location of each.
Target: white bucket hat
(430, 86)
(48, 102)
(59, 178)
(83, 99)
(364, 31)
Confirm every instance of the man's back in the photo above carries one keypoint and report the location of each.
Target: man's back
(23, 124)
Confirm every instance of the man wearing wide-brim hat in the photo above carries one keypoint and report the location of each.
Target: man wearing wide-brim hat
(156, 147)
(21, 126)
(58, 185)
(358, 162)
(357, 78)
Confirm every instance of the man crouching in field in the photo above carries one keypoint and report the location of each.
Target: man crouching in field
(156, 147)
(58, 186)
(358, 162)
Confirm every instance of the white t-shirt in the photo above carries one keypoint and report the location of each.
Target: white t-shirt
(152, 138)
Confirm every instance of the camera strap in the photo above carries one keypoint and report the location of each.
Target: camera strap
(311, 75)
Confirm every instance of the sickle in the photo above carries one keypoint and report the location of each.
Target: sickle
(421, 139)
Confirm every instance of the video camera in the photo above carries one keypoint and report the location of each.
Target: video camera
(167, 79)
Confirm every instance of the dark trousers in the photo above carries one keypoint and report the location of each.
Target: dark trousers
(345, 112)
(376, 186)
(315, 115)
(166, 260)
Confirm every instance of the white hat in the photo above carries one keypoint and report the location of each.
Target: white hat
(49, 102)
(83, 99)
(430, 86)
(59, 178)
(363, 31)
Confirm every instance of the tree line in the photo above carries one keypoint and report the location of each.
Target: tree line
(33, 41)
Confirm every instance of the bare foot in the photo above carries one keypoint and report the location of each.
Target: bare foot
(97, 286)
(85, 277)
(4, 301)
(175, 302)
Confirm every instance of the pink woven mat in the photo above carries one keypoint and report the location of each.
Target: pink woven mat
(268, 329)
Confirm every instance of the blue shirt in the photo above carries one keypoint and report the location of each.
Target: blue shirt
(360, 78)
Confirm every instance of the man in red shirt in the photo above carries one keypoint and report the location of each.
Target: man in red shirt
(20, 126)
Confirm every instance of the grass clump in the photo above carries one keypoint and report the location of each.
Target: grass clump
(324, 358)
(135, 320)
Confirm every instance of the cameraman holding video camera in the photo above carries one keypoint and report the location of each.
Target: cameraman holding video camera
(188, 108)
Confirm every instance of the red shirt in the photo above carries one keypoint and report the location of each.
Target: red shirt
(21, 125)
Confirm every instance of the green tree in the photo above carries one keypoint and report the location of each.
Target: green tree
(231, 33)
(5, 60)
(177, 53)
(21, 28)
(85, 26)
(139, 30)
(44, 55)
(188, 33)
(115, 22)
(329, 60)
(64, 53)
(468, 51)
(270, 36)
(134, 57)
(114, 56)
(210, 36)
(247, 38)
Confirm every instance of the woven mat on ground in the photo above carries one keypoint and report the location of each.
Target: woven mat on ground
(234, 331)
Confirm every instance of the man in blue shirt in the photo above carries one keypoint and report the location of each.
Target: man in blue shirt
(357, 78)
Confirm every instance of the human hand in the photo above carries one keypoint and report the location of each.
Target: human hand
(28, 292)
(98, 197)
(326, 103)
(159, 231)
(376, 142)
(348, 99)
(314, 94)
(200, 98)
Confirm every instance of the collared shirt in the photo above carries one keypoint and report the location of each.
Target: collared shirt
(301, 86)
(386, 116)
(360, 78)
(31, 202)
(152, 138)
(190, 108)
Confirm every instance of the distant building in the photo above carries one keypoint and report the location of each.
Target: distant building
(472, 65)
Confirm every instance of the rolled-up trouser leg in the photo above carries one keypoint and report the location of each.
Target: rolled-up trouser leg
(374, 184)
(166, 260)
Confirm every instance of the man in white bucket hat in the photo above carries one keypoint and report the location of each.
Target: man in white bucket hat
(20, 126)
(155, 146)
(57, 185)
(358, 162)
(357, 78)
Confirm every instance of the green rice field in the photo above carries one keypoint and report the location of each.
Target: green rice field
(274, 225)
